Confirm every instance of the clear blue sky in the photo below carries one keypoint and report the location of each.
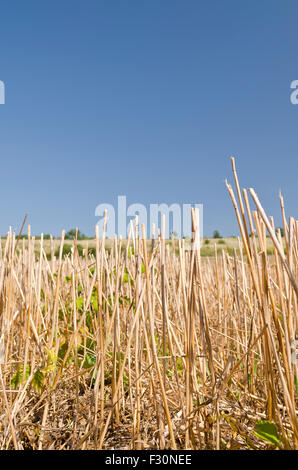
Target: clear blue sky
(148, 99)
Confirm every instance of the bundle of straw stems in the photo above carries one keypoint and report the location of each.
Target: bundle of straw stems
(148, 345)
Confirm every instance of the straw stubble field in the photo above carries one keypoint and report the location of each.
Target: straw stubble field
(149, 345)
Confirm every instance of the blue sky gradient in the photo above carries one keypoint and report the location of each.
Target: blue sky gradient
(147, 99)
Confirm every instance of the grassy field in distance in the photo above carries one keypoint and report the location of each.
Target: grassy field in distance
(207, 245)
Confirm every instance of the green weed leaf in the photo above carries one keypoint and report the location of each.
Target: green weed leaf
(267, 431)
(38, 380)
(17, 378)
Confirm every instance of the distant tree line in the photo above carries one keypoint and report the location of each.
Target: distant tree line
(70, 235)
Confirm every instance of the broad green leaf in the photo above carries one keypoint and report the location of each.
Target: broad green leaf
(90, 361)
(267, 431)
(38, 380)
(17, 378)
